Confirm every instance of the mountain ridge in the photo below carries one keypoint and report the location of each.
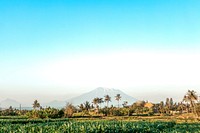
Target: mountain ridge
(101, 92)
(9, 102)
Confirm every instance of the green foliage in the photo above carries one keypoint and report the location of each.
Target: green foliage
(67, 126)
(104, 111)
(46, 113)
(120, 112)
(13, 117)
(12, 112)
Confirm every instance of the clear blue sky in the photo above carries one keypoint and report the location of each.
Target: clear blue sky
(53, 26)
(35, 31)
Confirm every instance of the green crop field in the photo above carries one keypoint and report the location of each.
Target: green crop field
(94, 126)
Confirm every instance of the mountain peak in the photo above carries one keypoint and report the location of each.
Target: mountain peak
(100, 92)
(105, 89)
(9, 102)
(9, 99)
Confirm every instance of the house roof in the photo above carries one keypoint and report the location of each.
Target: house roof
(148, 105)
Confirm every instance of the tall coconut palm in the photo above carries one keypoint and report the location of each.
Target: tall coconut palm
(36, 104)
(81, 107)
(191, 97)
(167, 103)
(118, 97)
(87, 105)
(161, 107)
(96, 102)
(171, 103)
(167, 106)
(107, 99)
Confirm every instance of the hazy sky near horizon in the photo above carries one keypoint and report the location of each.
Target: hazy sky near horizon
(55, 49)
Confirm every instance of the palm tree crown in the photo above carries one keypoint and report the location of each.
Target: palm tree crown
(192, 98)
(36, 104)
(107, 99)
(118, 97)
(96, 101)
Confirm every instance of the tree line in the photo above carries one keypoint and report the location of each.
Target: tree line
(189, 104)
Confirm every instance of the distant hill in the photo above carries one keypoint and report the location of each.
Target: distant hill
(101, 92)
(9, 102)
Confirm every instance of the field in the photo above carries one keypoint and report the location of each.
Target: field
(23, 125)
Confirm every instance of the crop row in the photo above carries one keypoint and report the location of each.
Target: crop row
(101, 126)
(30, 121)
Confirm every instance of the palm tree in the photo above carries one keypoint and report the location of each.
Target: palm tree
(167, 106)
(96, 102)
(171, 103)
(36, 104)
(161, 107)
(118, 97)
(192, 98)
(107, 99)
(81, 106)
(87, 105)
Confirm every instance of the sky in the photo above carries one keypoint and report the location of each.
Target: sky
(57, 49)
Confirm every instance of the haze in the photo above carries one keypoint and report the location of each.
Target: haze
(60, 49)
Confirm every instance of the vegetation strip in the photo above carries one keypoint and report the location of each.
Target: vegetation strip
(99, 126)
